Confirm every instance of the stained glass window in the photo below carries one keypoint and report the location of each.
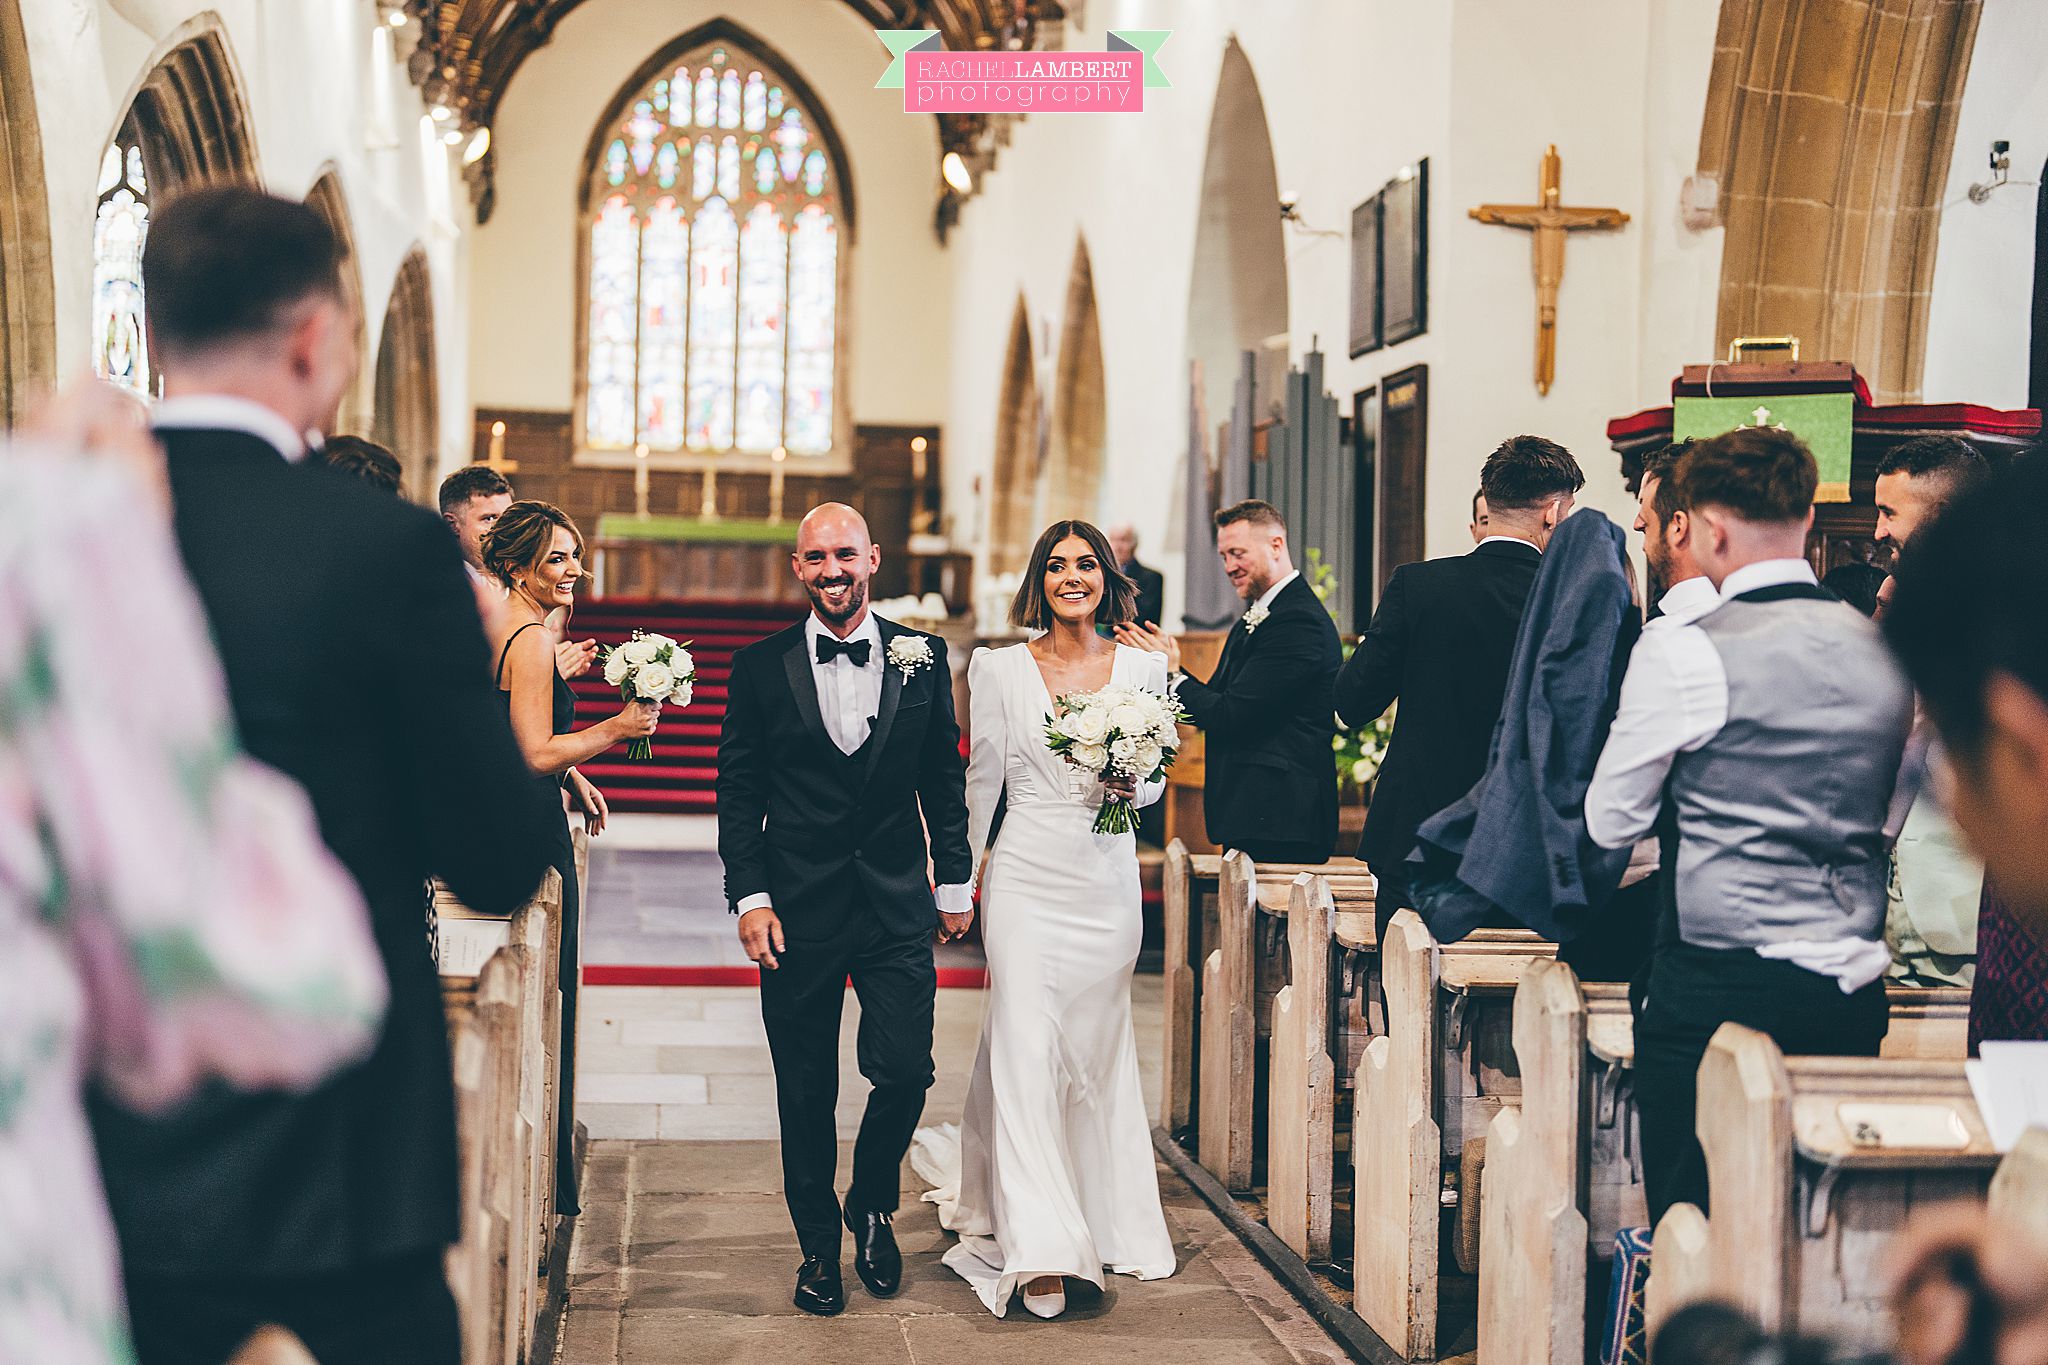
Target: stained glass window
(120, 345)
(713, 313)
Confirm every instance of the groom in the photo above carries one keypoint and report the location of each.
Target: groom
(839, 734)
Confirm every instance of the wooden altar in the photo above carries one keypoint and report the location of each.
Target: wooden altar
(676, 558)
(1843, 532)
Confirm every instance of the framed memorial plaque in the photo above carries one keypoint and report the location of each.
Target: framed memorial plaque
(1365, 277)
(1404, 256)
(1401, 468)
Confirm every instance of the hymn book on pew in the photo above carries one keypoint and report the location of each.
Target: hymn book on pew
(2010, 1081)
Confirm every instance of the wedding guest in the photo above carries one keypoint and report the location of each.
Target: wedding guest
(536, 552)
(1980, 661)
(1123, 543)
(361, 459)
(1481, 522)
(143, 809)
(472, 499)
(1271, 785)
(1774, 885)
(327, 1213)
(1681, 592)
(1440, 643)
(1916, 478)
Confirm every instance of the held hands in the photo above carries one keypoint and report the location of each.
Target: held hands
(761, 936)
(954, 926)
(1149, 637)
(1121, 786)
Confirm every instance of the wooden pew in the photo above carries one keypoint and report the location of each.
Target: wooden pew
(1318, 1027)
(1189, 898)
(504, 1026)
(1814, 1162)
(1434, 1079)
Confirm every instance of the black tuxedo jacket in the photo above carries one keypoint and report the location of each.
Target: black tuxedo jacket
(1440, 642)
(356, 664)
(1151, 591)
(1266, 723)
(824, 832)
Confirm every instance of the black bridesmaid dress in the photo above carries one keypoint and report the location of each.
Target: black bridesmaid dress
(563, 856)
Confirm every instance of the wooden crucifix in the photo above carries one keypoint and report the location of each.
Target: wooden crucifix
(1549, 221)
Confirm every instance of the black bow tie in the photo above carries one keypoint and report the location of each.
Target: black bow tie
(855, 650)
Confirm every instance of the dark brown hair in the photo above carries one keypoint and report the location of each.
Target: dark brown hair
(522, 537)
(226, 263)
(1253, 510)
(471, 481)
(1661, 467)
(1760, 474)
(1528, 471)
(365, 460)
(1032, 611)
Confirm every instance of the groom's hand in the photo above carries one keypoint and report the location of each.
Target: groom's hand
(954, 926)
(761, 936)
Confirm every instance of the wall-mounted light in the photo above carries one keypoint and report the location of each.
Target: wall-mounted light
(441, 113)
(2001, 167)
(396, 18)
(954, 169)
(451, 137)
(479, 143)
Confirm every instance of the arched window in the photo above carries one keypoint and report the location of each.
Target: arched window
(120, 345)
(716, 219)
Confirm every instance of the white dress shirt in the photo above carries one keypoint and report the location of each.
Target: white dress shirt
(1684, 602)
(1509, 540)
(1266, 597)
(849, 699)
(1674, 699)
(226, 412)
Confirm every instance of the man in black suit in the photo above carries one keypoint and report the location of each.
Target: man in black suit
(839, 752)
(1440, 643)
(1123, 543)
(1271, 787)
(355, 663)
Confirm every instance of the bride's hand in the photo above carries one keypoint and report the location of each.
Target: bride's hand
(1125, 787)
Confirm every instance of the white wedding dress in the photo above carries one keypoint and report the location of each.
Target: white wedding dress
(1050, 1172)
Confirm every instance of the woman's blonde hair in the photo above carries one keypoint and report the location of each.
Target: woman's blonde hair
(522, 537)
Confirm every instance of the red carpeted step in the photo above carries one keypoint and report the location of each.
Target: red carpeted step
(681, 775)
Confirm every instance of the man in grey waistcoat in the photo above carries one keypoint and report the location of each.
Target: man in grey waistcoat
(1763, 741)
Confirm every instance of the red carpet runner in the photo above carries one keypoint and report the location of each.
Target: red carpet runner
(679, 778)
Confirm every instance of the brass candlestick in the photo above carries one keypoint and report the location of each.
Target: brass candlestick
(775, 485)
(640, 481)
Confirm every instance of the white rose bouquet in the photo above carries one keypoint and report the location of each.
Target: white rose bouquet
(1116, 732)
(650, 668)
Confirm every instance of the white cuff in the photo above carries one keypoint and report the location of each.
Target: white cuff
(760, 900)
(957, 899)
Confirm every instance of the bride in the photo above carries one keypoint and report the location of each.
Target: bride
(1051, 1173)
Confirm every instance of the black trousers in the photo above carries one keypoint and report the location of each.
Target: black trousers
(568, 1199)
(1617, 942)
(1283, 851)
(801, 1001)
(1692, 992)
(1392, 894)
(396, 1312)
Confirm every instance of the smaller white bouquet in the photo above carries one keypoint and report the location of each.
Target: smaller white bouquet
(1118, 731)
(650, 668)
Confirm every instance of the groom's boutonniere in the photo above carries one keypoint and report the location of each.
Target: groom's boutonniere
(910, 653)
(1255, 618)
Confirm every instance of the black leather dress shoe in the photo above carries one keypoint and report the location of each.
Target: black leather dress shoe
(875, 1257)
(818, 1289)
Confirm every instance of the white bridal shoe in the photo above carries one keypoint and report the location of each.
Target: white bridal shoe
(1047, 1305)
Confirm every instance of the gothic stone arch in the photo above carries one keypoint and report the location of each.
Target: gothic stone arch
(407, 413)
(28, 306)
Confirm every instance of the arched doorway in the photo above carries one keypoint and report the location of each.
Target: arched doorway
(1073, 478)
(1013, 486)
(407, 418)
(327, 198)
(28, 307)
(1237, 302)
(186, 125)
(1829, 126)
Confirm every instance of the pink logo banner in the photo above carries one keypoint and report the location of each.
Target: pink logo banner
(940, 82)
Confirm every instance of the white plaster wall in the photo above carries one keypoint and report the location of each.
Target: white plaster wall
(1354, 91)
(1980, 321)
(321, 88)
(526, 294)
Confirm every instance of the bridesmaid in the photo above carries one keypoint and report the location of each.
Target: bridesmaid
(536, 551)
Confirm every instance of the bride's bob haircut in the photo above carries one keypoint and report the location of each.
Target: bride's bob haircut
(1033, 611)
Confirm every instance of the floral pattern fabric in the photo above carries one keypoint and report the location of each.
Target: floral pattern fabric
(168, 913)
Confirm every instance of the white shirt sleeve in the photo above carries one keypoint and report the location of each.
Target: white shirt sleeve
(987, 750)
(1673, 699)
(757, 901)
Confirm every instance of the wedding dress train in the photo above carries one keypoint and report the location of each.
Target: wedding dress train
(1051, 1170)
